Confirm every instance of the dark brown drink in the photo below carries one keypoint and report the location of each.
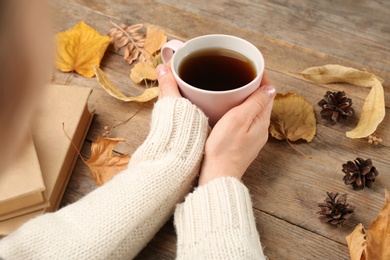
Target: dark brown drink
(216, 69)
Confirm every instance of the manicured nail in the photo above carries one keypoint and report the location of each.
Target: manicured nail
(270, 90)
(161, 70)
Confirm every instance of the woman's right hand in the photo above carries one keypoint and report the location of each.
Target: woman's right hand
(239, 135)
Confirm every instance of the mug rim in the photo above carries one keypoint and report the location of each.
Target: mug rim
(259, 74)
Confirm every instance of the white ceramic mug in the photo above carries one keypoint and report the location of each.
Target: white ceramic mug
(214, 103)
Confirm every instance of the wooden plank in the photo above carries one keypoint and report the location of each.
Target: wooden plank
(303, 28)
(283, 240)
(311, 24)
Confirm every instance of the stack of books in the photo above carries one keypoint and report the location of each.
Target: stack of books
(36, 181)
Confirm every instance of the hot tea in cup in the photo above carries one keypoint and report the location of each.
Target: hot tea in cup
(215, 72)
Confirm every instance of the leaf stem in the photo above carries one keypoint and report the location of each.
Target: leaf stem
(131, 39)
(75, 147)
(297, 150)
(127, 120)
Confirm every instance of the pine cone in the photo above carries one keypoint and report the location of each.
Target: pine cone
(336, 107)
(360, 173)
(335, 212)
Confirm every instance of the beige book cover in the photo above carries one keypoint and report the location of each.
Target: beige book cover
(21, 184)
(63, 110)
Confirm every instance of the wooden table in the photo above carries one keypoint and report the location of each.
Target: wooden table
(292, 35)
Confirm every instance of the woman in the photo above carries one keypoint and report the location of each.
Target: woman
(117, 220)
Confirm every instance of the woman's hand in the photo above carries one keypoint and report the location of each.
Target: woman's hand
(167, 84)
(239, 135)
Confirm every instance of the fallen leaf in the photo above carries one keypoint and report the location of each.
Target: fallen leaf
(357, 242)
(103, 163)
(333, 73)
(113, 90)
(373, 111)
(372, 244)
(79, 48)
(378, 236)
(292, 118)
(142, 71)
(155, 39)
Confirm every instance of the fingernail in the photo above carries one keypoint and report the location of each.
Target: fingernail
(161, 70)
(270, 90)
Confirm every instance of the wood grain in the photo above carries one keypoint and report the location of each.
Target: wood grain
(292, 35)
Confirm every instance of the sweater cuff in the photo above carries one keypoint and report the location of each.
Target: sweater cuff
(177, 127)
(218, 214)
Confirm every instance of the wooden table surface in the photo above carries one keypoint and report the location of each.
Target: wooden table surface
(292, 35)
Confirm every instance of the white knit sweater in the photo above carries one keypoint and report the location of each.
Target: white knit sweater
(118, 219)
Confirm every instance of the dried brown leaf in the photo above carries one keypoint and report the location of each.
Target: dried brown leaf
(149, 93)
(292, 118)
(103, 163)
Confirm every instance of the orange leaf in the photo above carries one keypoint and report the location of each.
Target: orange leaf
(103, 163)
(79, 48)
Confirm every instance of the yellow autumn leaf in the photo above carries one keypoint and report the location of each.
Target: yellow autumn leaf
(113, 90)
(142, 71)
(372, 244)
(333, 73)
(292, 118)
(357, 242)
(373, 111)
(103, 163)
(79, 48)
(378, 236)
(155, 39)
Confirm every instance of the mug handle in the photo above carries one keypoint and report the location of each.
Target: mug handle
(169, 49)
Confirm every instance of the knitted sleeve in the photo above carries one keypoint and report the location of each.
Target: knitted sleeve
(216, 222)
(118, 219)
